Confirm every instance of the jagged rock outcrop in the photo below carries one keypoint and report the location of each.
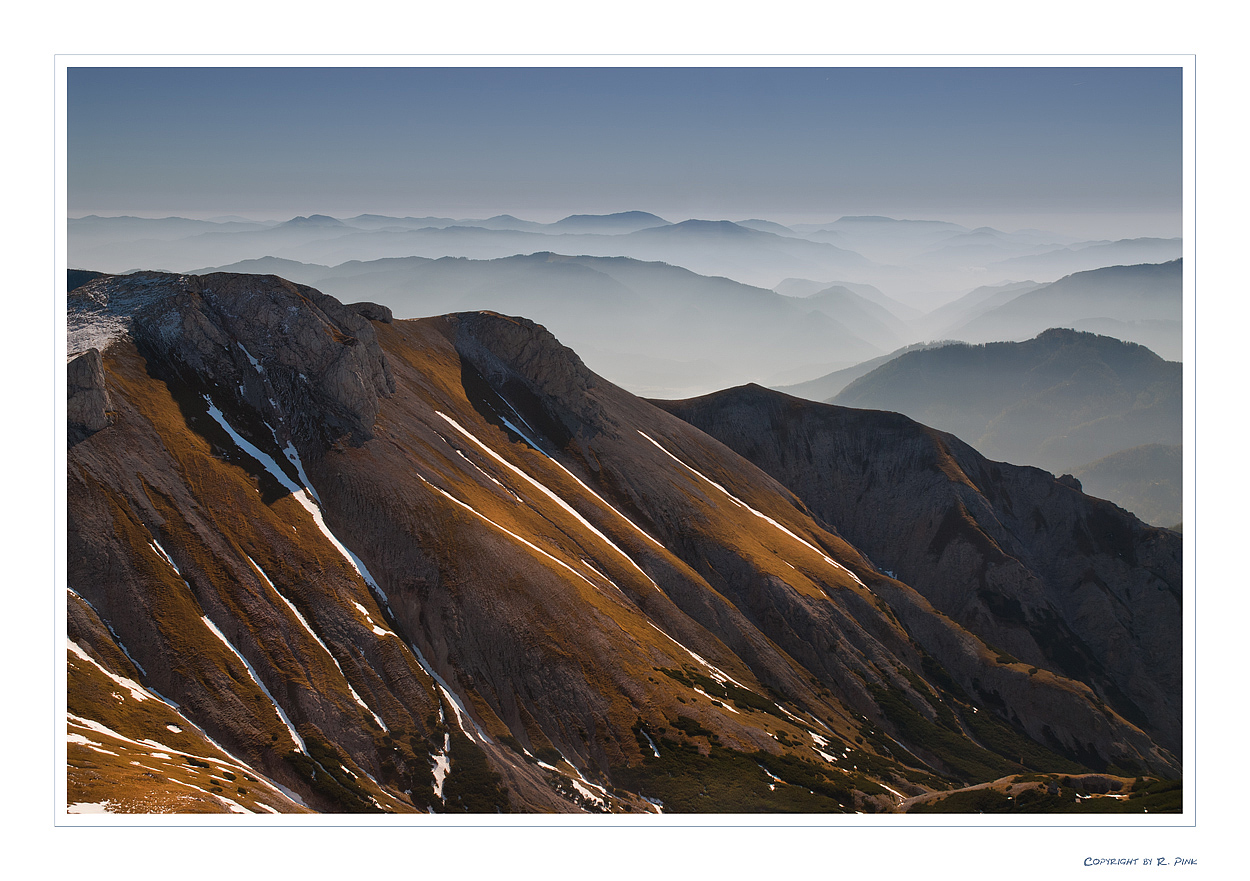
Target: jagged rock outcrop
(372, 311)
(285, 346)
(88, 399)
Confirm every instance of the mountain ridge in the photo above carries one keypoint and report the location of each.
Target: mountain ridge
(299, 548)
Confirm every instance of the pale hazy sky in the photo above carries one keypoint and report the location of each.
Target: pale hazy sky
(1053, 147)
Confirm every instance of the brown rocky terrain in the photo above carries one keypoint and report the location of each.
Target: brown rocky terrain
(363, 564)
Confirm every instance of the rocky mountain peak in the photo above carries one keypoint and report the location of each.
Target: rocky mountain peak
(286, 349)
(522, 356)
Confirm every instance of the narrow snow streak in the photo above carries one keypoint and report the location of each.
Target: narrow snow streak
(299, 493)
(292, 456)
(489, 477)
(717, 701)
(308, 627)
(717, 673)
(137, 691)
(534, 445)
(112, 632)
(655, 749)
(156, 546)
(299, 741)
(765, 517)
(528, 544)
(461, 713)
(555, 498)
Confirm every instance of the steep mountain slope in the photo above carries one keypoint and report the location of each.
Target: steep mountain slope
(364, 564)
(1057, 401)
(1042, 572)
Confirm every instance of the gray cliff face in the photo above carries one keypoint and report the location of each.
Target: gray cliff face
(1039, 571)
(282, 347)
(88, 403)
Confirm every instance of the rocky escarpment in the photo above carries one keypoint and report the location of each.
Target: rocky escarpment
(88, 400)
(1041, 572)
(281, 347)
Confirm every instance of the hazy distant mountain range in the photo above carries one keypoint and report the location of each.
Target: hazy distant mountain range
(655, 328)
(1140, 303)
(910, 258)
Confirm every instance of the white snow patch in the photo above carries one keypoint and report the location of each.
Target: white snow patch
(156, 546)
(586, 793)
(442, 765)
(260, 368)
(90, 807)
(655, 749)
(654, 802)
(289, 793)
(174, 728)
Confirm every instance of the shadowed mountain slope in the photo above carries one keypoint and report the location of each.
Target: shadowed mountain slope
(323, 559)
(1042, 572)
